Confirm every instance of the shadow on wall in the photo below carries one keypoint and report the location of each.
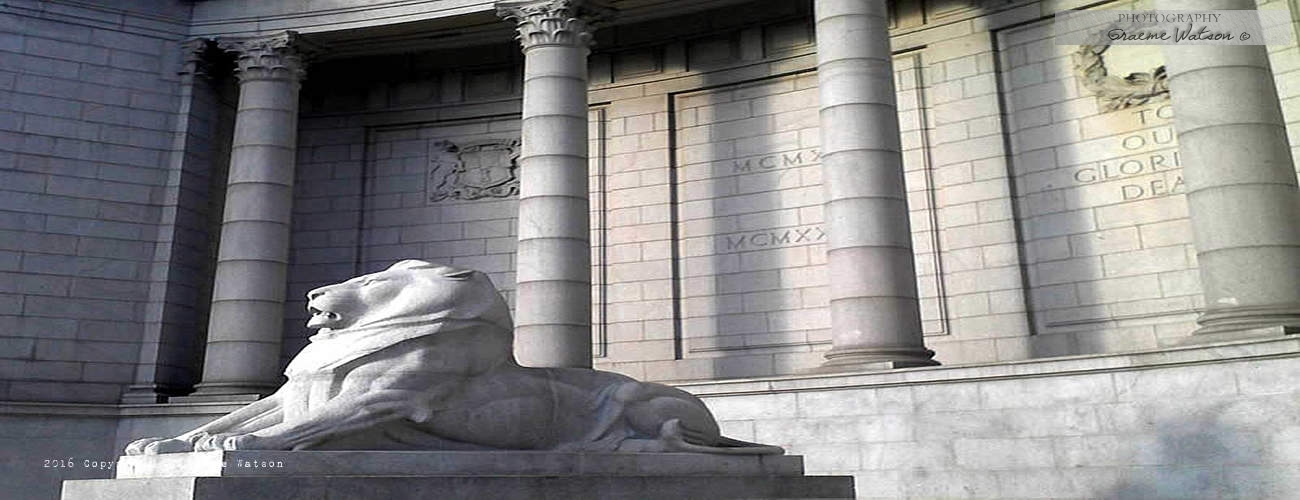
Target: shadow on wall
(749, 203)
(1201, 457)
(1098, 189)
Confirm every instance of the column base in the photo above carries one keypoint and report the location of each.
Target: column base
(216, 398)
(1265, 332)
(875, 358)
(226, 392)
(144, 394)
(1232, 323)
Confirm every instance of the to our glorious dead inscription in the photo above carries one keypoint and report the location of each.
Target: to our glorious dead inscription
(1154, 167)
(1099, 177)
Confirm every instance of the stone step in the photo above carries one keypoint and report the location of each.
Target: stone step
(682, 487)
(452, 463)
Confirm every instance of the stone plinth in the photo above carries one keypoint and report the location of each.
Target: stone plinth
(459, 463)
(463, 474)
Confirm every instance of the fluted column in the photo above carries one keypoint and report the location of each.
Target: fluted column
(553, 298)
(244, 330)
(1241, 181)
(875, 314)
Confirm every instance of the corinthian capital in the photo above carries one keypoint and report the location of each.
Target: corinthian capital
(196, 60)
(274, 57)
(552, 22)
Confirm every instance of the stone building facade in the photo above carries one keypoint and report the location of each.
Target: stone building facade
(921, 243)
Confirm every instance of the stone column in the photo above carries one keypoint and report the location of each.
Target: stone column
(553, 298)
(1241, 181)
(875, 314)
(244, 329)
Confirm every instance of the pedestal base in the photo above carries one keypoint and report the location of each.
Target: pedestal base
(215, 392)
(469, 475)
(1204, 336)
(827, 368)
(216, 398)
(1249, 321)
(467, 488)
(143, 394)
(842, 359)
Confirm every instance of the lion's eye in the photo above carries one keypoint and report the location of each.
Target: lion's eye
(371, 281)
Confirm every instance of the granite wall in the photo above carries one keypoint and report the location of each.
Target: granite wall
(88, 103)
(1201, 422)
(43, 444)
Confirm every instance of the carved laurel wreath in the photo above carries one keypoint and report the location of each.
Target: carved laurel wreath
(1116, 92)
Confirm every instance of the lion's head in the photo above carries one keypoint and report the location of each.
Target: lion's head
(408, 292)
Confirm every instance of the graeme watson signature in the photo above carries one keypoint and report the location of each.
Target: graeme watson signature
(1189, 34)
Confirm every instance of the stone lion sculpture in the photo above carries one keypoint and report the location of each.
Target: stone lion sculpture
(420, 357)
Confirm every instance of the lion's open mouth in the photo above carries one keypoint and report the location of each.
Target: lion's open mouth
(321, 318)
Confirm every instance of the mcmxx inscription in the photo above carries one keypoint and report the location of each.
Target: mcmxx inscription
(771, 238)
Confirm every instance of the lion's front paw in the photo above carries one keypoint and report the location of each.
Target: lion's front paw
(155, 446)
(242, 442)
(237, 442)
(211, 442)
(137, 447)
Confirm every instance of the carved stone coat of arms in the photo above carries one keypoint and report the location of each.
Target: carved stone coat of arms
(470, 171)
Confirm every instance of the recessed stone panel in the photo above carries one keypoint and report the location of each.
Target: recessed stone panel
(634, 63)
(712, 51)
(489, 83)
(425, 199)
(447, 192)
(408, 93)
(1099, 182)
(784, 38)
(752, 242)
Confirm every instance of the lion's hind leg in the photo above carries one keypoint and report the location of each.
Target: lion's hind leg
(657, 404)
(662, 418)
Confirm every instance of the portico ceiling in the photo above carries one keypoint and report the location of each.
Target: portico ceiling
(350, 28)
